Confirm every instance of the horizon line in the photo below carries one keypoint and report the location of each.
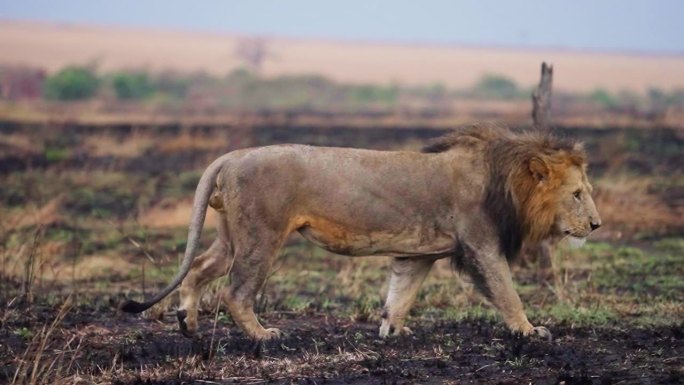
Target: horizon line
(363, 41)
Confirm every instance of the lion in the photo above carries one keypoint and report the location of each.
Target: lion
(474, 196)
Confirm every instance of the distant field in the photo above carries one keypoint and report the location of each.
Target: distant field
(52, 46)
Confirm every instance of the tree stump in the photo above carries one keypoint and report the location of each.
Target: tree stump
(541, 120)
(541, 100)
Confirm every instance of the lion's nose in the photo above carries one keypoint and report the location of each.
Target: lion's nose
(594, 225)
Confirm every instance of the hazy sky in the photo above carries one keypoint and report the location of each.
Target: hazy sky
(615, 25)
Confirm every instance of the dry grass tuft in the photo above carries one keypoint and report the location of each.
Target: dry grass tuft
(628, 208)
(39, 365)
(188, 142)
(170, 214)
(130, 147)
(22, 143)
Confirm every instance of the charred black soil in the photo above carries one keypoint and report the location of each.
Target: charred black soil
(325, 348)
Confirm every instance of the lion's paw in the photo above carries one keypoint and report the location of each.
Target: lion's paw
(541, 332)
(386, 330)
(270, 334)
(188, 329)
(266, 340)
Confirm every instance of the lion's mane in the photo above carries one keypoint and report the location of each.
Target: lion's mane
(521, 206)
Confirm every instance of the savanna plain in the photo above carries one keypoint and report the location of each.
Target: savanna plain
(92, 214)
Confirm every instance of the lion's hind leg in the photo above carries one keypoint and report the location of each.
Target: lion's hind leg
(247, 277)
(407, 276)
(212, 264)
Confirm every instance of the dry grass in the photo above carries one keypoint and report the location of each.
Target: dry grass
(172, 214)
(130, 147)
(630, 208)
(33, 216)
(37, 365)
(19, 142)
(42, 262)
(188, 142)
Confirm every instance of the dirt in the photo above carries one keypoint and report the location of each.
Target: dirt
(96, 344)
(327, 348)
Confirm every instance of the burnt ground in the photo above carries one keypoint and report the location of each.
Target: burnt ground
(87, 189)
(101, 344)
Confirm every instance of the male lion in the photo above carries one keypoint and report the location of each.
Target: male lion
(475, 196)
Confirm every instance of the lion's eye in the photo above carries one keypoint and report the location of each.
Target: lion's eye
(577, 194)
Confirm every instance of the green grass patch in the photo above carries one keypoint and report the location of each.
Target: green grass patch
(653, 274)
(473, 312)
(670, 245)
(595, 315)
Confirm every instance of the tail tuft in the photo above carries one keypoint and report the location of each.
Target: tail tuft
(131, 306)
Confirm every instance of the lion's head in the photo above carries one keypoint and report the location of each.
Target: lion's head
(538, 186)
(552, 191)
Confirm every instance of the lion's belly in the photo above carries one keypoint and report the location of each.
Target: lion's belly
(344, 240)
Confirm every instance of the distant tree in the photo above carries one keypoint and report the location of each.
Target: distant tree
(677, 97)
(172, 85)
(497, 86)
(72, 83)
(603, 98)
(369, 93)
(659, 100)
(252, 52)
(436, 93)
(18, 82)
(132, 85)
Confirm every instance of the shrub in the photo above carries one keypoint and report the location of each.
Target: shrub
(18, 82)
(239, 75)
(368, 93)
(132, 85)
(603, 98)
(496, 86)
(72, 83)
(171, 85)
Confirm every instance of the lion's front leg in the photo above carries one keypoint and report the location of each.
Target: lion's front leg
(492, 277)
(407, 276)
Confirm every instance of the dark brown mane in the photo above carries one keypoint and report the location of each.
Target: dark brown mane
(522, 209)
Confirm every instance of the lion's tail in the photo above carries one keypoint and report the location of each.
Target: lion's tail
(205, 187)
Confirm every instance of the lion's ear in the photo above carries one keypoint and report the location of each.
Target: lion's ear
(539, 169)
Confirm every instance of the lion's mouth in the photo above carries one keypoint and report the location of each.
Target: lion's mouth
(576, 233)
(576, 242)
(575, 239)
